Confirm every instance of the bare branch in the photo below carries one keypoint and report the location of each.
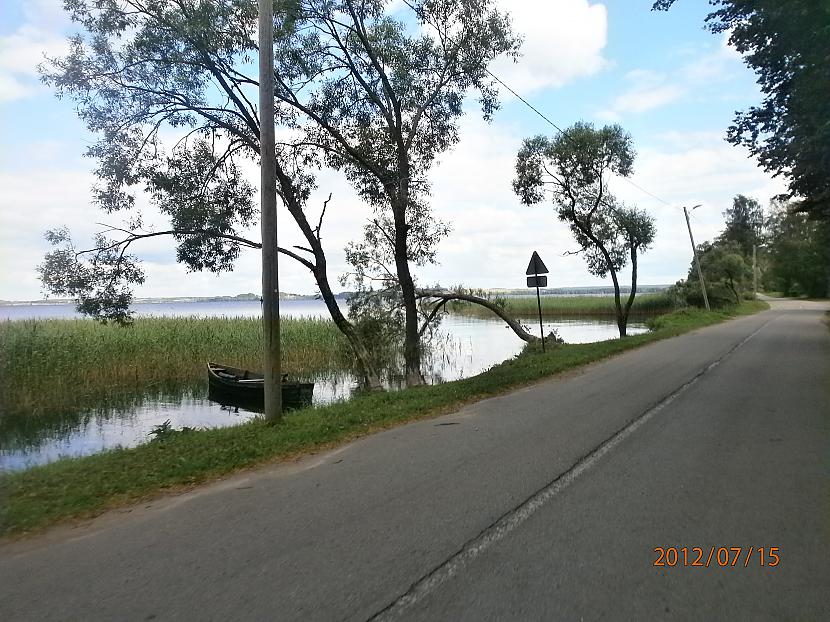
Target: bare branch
(133, 237)
(322, 214)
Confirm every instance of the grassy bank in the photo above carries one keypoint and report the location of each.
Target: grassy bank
(563, 306)
(80, 487)
(49, 366)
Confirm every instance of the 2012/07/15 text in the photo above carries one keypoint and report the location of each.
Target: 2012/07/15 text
(722, 556)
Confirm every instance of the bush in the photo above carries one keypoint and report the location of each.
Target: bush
(688, 293)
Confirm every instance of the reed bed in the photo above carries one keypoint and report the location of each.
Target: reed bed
(571, 306)
(49, 364)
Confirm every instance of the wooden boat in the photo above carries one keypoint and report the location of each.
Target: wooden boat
(231, 383)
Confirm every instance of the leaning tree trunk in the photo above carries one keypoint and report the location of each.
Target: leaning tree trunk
(514, 325)
(622, 318)
(587, 231)
(366, 370)
(369, 375)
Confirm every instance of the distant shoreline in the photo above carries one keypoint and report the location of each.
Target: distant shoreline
(240, 298)
(555, 291)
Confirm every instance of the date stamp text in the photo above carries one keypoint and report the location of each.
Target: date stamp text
(723, 556)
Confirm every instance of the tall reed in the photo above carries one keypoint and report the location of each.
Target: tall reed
(48, 364)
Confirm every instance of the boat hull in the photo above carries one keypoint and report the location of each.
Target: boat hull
(231, 385)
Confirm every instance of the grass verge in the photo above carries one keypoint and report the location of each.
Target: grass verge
(82, 487)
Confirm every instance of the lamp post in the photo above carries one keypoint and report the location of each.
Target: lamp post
(697, 259)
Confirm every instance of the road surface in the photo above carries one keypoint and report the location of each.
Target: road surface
(543, 504)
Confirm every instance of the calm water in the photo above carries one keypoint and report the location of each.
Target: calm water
(464, 347)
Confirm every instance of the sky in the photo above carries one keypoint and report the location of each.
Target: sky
(673, 85)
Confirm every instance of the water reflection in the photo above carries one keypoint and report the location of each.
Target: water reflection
(464, 347)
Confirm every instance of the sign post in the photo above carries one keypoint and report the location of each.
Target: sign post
(536, 268)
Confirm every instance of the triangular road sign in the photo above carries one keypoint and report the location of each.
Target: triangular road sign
(536, 265)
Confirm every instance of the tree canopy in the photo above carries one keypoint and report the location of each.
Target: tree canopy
(168, 87)
(744, 224)
(572, 170)
(797, 253)
(786, 44)
(725, 269)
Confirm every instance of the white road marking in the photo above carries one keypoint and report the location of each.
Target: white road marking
(515, 517)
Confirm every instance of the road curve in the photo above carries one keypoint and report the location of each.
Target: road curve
(546, 503)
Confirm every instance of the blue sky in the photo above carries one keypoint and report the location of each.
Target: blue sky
(673, 85)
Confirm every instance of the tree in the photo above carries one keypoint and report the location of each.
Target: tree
(385, 104)
(573, 167)
(140, 68)
(744, 224)
(785, 43)
(723, 267)
(797, 253)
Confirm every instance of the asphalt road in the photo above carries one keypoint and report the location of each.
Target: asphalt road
(544, 504)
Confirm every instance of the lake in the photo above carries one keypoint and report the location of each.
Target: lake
(463, 347)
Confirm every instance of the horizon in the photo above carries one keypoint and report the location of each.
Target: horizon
(545, 291)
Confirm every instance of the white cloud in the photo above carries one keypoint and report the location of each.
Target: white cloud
(12, 88)
(44, 197)
(648, 90)
(23, 50)
(687, 169)
(563, 40)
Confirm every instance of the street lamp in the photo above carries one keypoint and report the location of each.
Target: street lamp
(697, 260)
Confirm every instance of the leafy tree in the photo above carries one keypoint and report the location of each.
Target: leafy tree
(354, 91)
(797, 254)
(785, 43)
(725, 265)
(138, 69)
(726, 272)
(573, 168)
(385, 104)
(744, 224)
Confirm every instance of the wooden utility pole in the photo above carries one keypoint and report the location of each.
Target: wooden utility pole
(268, 206)
(697, 260)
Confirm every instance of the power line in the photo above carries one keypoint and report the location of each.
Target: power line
(526, 103)
(651, 194)
(565, 134)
